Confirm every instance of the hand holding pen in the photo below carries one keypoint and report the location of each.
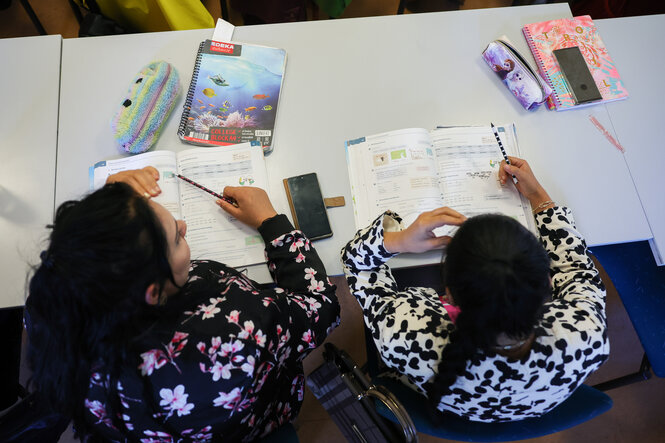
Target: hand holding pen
(252, 205)
(248, 204)
(503, 151)
(527, 183)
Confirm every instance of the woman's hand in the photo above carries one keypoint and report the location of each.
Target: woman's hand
(527, 183)
(253, 208)
(144, 181)
(418, 237)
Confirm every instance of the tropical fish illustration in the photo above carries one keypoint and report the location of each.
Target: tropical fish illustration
(251, 108)
(223, 109)
(209, 92)
(200, 101)
(190, 118)
(202, 107)
(218, 80)
(261, 96)
(226, 104)
(267, 108)
(210, 104)
(247, 117)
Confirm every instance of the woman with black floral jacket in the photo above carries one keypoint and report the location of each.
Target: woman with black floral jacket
(521, 324)
(137, 343)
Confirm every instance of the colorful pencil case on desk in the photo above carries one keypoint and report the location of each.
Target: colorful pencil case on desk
(145, 108)
(525, 84)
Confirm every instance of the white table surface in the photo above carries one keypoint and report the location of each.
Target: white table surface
(355, 77)
(635, 44)
(29, 87)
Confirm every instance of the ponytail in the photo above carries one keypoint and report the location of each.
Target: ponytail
(497, 273)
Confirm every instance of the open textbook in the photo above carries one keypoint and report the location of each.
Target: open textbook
(212, 234)
(414, 170)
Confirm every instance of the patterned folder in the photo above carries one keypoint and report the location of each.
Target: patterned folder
(545, 37)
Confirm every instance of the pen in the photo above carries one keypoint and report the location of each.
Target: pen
(192, 182)
(503, 151)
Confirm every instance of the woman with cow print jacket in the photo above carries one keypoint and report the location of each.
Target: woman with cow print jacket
(521, 325)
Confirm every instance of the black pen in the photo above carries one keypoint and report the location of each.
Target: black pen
(503, 151)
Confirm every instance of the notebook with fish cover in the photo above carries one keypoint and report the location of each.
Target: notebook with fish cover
(234, 94)
(545, 37)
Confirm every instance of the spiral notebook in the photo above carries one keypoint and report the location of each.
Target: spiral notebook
(545, 37)
(234, 94)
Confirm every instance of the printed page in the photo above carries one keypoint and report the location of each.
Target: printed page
(468, 160)
(394, 170)
(163, 161)
(213, 234)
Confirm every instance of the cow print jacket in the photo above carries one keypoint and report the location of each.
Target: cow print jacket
(411, 327)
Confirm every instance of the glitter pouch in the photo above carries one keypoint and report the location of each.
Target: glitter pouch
(144, 110)
(523, 82)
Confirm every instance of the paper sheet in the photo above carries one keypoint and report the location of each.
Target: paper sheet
(223, 31)
(412, 171)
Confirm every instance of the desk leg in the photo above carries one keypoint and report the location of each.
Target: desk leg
(33, 17)
(11, 329)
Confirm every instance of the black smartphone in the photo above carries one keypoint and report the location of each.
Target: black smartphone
(577, 75)
(307, 206)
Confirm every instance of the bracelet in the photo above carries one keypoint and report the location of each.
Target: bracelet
(542, 206)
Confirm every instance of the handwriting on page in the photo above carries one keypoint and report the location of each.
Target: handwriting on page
(483, 175)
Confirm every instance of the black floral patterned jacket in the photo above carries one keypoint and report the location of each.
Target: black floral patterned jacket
(230, 367)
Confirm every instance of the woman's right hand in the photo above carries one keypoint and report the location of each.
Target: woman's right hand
(419, 236)
(527, 183)
(253, 205)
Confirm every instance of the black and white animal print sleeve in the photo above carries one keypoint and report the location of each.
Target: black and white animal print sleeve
(577, 309)
(410, 328)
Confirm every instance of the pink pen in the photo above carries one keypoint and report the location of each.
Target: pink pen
(606, 133)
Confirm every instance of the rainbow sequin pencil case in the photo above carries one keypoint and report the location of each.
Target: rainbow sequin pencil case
(149, 101)
(523, 82)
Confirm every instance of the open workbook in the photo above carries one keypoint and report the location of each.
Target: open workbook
(212, 234)
(414, 170)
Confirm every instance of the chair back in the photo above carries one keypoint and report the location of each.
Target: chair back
(583, 405)
(640, 283)
(30, 421)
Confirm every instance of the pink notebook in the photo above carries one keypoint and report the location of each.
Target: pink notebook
(544, 37)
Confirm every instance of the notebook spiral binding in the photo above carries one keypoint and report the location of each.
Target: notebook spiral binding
(190, 93)
(541, 65)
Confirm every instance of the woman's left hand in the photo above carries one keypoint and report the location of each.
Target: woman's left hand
(418, 237)
(144, 181)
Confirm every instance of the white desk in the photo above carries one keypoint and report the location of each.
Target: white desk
(355, 77)
(633, 43)
(29, 87)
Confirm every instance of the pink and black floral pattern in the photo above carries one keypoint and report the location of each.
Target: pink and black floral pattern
(227, 363)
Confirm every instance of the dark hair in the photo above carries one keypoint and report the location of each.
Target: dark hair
(86, 302)
(497, 272)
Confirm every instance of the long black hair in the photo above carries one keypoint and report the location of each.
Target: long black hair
(498, 275)
(86, 303)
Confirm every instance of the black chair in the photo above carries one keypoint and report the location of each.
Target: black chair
(583, 405)
(29, 421)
